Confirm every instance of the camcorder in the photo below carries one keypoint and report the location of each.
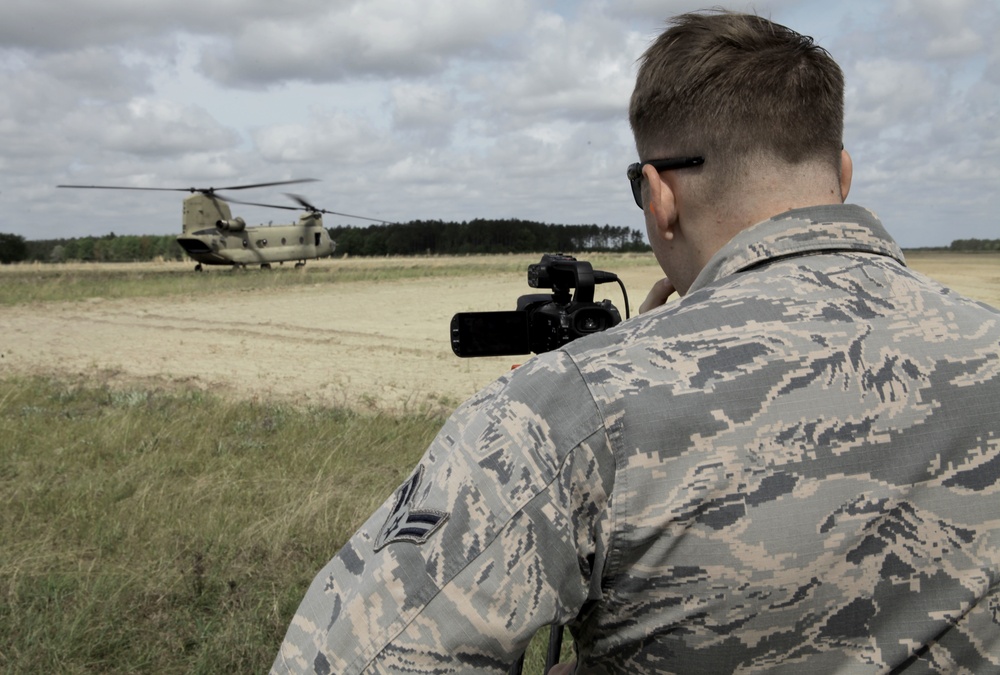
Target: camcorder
(542, 322)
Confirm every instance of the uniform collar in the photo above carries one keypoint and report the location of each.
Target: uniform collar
(815, 229)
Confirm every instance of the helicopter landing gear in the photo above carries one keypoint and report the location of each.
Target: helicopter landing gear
(300, 264)
(197, 268)
(265, 266)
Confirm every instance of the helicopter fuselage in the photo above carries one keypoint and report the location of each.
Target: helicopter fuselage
(213, 237)
(258, 245)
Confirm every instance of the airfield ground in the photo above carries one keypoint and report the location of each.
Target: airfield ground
(366, 344)
(149, 528)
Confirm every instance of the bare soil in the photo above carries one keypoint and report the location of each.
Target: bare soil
(382, 345)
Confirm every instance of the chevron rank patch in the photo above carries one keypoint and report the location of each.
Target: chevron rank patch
(406, 523)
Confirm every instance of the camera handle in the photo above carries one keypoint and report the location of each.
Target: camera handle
(562, 273)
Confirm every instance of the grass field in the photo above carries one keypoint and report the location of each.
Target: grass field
(154, 532)
(170, 530)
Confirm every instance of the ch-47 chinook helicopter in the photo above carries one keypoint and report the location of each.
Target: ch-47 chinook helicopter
(212, 236)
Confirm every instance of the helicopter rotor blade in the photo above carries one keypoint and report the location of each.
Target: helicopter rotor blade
(123, 187)
(259, 185)
(302, 201)
(205, 191)
(213, 193)
(348, 215)
(268, 206)
(309, 207)
(303, 204)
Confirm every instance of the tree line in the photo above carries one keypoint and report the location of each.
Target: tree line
(414, 238)
(422, 237)
(975, 245)
(107, 248)
(419, 237)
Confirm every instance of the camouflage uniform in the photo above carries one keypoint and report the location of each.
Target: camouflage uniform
(796, 468)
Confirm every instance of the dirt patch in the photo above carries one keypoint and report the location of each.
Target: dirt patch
(365, 344)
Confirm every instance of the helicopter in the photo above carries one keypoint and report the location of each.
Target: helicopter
(212, 236)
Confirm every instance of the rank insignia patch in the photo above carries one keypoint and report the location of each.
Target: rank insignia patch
(406, 523)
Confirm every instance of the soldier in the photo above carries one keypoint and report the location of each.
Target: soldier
(795, 468)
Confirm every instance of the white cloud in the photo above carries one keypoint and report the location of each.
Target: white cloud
(426, 110)
(443, 109)
(948, 28)
(579, 70)
(39, 27)
(375, 38)
(329, 139)
(885, 92)
(148, 127)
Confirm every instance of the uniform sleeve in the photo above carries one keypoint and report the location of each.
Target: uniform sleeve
(493, 536)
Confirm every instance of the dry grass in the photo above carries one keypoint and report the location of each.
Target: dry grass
(167, 530)
(976, 275)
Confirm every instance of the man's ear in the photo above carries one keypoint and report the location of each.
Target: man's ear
(846, 174)
(661, 205)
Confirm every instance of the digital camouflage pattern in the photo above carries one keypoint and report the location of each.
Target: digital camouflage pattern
(796, 468)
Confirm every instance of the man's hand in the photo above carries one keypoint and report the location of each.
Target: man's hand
(562, 668)
(657, 296)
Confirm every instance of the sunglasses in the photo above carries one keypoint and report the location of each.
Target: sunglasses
(634, 172)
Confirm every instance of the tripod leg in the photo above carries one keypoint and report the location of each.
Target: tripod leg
(555, 647)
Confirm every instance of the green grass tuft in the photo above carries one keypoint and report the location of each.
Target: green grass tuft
(174, 532)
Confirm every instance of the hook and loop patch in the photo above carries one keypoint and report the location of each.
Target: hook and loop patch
(406, 523)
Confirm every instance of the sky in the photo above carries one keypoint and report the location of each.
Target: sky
(449, 109)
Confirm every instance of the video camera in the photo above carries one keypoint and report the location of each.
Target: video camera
(541, 322)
